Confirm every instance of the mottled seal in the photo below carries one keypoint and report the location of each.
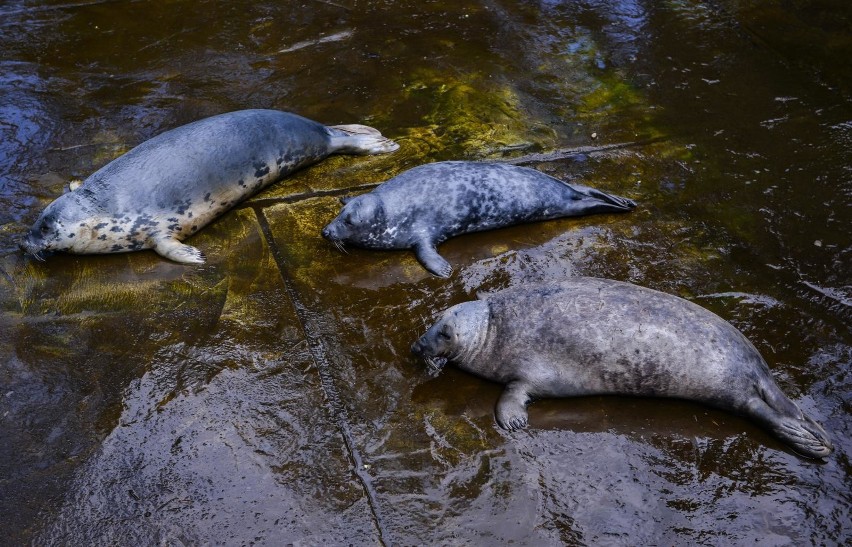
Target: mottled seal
(170, 186)
(426, 205)
(587, 336)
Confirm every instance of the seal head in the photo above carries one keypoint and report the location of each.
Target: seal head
(363, 219)
(64, 225)
(457, 336)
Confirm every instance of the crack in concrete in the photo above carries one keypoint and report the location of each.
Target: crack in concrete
(260, 203)
(565, 153)
(318, 355)
(559, 154)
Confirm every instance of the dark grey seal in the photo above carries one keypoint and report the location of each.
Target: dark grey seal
(587, 336)
(172, 185)
(424, 206)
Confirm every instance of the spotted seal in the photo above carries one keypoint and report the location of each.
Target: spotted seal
(587, 336)
(426, 205)
(169, 187)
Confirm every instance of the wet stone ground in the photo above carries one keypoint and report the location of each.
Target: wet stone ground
(269, 397)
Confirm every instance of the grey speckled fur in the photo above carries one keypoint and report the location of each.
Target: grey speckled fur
(587, 336)
(172, 185)
(424, 206)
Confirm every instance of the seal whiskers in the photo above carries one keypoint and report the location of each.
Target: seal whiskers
(340, 246)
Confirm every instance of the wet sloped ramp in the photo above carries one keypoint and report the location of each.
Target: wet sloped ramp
(599, 469)
(244, 459)
(223, 439)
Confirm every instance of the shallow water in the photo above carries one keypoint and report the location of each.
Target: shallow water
(269, 397)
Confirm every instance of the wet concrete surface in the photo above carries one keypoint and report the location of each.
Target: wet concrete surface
(268, 397)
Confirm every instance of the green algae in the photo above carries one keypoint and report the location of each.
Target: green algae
(452, 438)
(107, 145)
(466, 117)
(296, 229)
(470, 116)
(142, 287)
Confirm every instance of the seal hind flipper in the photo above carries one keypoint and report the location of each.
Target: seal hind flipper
(511, 412)
(428, 256)
(618, 202)
(603, 202)
(786, 420)
(358, 129)
(177, 251)
(359, 139)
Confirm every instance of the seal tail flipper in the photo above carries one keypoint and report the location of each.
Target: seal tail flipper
(620, 203)
(782, 417)
(359, 139)
(605, 203)
(177, 251)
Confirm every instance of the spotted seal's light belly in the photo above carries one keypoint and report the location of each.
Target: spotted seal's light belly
(171, 186)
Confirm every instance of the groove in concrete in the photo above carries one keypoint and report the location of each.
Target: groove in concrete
(318, 355)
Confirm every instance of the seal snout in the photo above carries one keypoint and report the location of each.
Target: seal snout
(422, 349)
(417, 348)
(28, 245)
(330, 234)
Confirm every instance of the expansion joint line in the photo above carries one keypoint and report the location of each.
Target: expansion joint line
(318, 355)
(258, 203)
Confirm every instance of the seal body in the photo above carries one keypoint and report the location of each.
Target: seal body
(426, 205)
(587, 336)
(170, 186)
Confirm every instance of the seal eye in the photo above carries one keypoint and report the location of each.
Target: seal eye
(443, 335)
(44, 228)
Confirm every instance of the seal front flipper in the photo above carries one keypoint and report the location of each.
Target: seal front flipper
(512, 406)
(428, 255)
(177, 251)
